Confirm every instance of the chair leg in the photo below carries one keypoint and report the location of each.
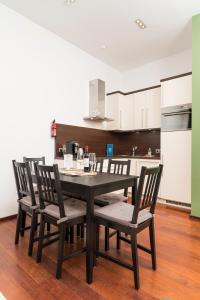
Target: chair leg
(152, 244)
(48, 227)
(118, 240)
(78, 230)
(41, 238)
(18, 225)
(60, 252)
(32, 233)
(106, 238)
(135, 259)
(71, 234)
(82, 231)
(23, 222)
(67, 234)
(97, 239)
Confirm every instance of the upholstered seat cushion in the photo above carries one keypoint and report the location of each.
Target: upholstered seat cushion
(27, 201)
(109, 198)
(122, 213)
(73, 208)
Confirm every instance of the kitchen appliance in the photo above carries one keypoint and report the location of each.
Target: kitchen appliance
(109, 150)
(97, 105)
(72, 148)
(176, 118)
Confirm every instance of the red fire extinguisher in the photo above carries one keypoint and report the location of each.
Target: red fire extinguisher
(53, 128)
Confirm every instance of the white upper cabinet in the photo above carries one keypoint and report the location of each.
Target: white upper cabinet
(147, 109)
(153, 112)
(120, 109)
(140, 102)
(135, 111)
(176, 91)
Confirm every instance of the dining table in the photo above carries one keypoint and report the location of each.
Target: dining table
(87, 187)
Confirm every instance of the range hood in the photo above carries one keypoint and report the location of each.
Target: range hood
(97, 105)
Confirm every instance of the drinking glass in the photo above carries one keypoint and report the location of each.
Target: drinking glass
(92, 161)
(80, 159)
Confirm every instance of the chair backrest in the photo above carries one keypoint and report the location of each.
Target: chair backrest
(99, 165)
(147, 191)
(120, 167)
(49, 186)
(32, 160)
(23, 180)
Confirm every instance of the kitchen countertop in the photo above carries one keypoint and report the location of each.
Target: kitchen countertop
(132, 157)
(126, 156)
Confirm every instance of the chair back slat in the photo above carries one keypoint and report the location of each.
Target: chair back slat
(99, 166)
(32, 160)
(23, 180)
(49, 186)
(147, 192)
(119, 167)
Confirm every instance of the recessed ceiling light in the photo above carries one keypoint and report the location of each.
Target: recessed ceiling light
(69, 2)
(140, 24)
(103, 47)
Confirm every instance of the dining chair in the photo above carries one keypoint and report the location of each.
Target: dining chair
(119, 167)
(132, 219)
(61, 213)
(28, 202)
(32, 160)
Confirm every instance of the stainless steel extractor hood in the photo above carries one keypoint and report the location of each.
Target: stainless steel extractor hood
(97, 105)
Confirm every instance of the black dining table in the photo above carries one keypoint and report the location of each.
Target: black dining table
(87, 187)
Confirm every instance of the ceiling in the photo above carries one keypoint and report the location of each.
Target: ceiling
(90, 24)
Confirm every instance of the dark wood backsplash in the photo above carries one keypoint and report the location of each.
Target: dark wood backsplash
(96, 140)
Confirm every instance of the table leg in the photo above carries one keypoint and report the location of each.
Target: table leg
(134, 191)
(90, 238)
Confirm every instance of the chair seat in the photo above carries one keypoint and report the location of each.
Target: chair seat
(122, 213)
(27, 201)
(74, 208)
(110, 198)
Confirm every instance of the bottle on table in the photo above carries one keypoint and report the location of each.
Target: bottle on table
(86, 161)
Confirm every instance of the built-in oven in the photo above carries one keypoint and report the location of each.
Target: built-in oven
(175, 118)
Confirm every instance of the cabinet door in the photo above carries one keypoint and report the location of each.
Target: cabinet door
(177, 91)
(112, 111)
(176, 159)
(126, 112)
(153, 110)
(140, 101)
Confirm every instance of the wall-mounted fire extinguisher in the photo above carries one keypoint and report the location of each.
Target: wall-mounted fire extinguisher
(53, 128)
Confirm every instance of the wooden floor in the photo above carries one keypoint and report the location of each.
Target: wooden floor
(177, 276)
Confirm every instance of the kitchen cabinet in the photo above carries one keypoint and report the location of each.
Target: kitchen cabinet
(120, 109)
(176, 91)
(176, 158)
(147, 109)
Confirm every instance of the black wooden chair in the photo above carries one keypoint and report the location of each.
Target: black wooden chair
(62, 213)
(32, 160)
(28, 202)
(99, 165)
(120, 167)
(132, 219)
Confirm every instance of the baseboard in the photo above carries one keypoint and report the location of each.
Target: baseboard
(8, 218)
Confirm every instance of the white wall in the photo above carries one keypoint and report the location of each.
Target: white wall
(150, 74)
(42, 77)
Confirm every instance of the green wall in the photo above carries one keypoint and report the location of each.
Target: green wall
(196, 116)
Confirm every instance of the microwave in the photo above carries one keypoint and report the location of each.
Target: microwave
(175, 118)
